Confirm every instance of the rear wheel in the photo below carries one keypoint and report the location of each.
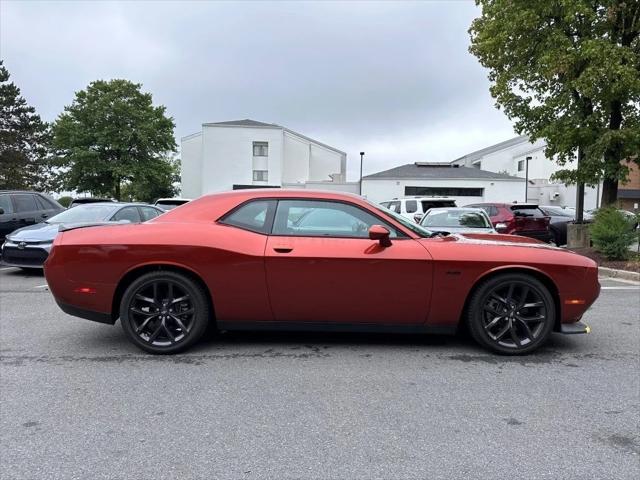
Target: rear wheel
(164, 312)
(512, 314)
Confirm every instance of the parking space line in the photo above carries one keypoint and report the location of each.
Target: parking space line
(41, 286)
(7, 268)
(619, 280)
(620, 288)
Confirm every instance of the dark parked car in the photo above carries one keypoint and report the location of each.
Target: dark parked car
(523, 219)
(560, 217)
(20, 209)
(29, 247)
(84, 200)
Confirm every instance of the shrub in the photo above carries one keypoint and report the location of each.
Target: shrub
(612, 234)
(65, 201)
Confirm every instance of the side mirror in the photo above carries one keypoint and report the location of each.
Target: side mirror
(380, 233)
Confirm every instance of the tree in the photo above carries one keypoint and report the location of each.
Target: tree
(568, 71)
(24, 140)
(158, 183)
(109, 136)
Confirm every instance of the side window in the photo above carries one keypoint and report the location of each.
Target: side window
(313, 218)
(252, 216)
(42, 205)
(127, 213)
(5, 203)
(25, 203)
(148, 213)
(411, 206)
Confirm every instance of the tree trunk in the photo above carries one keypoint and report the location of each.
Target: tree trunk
(609, 192)
(116, 191)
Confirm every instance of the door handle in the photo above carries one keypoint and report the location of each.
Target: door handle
(283, 249)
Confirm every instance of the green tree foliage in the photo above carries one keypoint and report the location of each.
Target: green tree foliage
(568, 71)
(65, 201)
(612, 233)
(24, 140)
(111, 135)
(161, 182)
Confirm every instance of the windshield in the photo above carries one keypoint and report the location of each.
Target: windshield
(414, 227)
(84, 213)
(559, 211)
(456, 218)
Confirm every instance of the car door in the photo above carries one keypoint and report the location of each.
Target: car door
(45, 207)
(321, 266)
(8, 218)
(26, 209)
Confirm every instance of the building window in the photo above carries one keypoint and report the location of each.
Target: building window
(260, 149)
(520, 165)
(260, 176)
(443, 191)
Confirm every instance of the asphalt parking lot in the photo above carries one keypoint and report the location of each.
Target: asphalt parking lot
(78, 401)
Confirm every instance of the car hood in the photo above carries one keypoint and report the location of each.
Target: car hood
(463, 230)
(40, 232)
(492, 239)
(43, 232)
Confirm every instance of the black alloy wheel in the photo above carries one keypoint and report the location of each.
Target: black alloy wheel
(511, 314)
(164, 312)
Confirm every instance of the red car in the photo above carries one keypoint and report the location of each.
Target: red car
(524, 219)
(302, 260)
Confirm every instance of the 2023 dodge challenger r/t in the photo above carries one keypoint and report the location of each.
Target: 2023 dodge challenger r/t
(303, 260)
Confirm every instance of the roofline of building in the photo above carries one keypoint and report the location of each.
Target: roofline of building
(494, 148)
(190, 136)
(415, 179)
(272, 127)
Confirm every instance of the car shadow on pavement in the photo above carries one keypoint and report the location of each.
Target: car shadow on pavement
(22, 272)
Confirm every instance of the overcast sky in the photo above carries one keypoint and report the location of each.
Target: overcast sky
(393, 79)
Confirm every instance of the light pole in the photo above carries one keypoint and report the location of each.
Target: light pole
(361, 160)
(526, 179)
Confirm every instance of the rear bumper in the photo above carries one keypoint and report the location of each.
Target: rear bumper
(86, 314)
(542, 236)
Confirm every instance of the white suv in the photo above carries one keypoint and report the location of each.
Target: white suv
(414, 208)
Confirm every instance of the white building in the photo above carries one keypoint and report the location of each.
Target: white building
(249, 154)
(464, 184)
(510, 157)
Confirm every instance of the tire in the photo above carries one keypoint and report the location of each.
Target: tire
(511, 314)
(554, 238)
(164, 312)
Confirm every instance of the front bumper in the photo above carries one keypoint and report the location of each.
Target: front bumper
(25, 254)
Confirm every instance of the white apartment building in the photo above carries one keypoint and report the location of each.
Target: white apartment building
(250, 154)
(510, 157)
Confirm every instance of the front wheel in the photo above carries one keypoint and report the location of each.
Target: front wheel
(164, 312)
(511, 314)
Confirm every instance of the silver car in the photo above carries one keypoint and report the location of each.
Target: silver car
(457, 220)
(29, 247)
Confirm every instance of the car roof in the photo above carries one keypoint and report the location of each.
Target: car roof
(472, 209)
(444, 199)
(214, 205)
(22, 191)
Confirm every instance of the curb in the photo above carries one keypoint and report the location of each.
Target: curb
(622, 274)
